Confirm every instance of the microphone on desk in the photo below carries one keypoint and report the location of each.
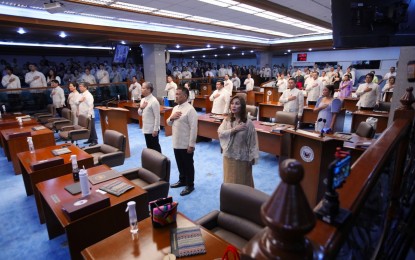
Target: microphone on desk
(109, 101)
(324, 124)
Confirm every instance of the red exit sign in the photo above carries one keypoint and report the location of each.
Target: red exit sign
(302, 57)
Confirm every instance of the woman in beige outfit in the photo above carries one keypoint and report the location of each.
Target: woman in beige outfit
(239, 143)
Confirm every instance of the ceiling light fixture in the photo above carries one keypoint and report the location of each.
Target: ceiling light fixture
(190, 50)
(252, 51)
(21, 31)
(208, 46)
(122, 42)
(62, 34)
(233, 47)
(289, 50)
(177, 46)
(216, 55)
(54, 45)
(229, 54)
(221, 46)
(204, 56)
(310, 49)
(243, 53)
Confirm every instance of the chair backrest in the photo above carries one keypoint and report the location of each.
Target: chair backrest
(253, 110)
(288, 118)
(66, 113)
(383, 106)
(51, 109)
(257, 89)
(115, 139)
(160, 100)
(156, 162)
(365, 130)
(84, 121)
(241, 95)
(235, 199)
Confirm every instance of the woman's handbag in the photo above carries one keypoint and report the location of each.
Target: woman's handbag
(163, 211)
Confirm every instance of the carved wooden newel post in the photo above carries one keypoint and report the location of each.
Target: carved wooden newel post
(288, 218)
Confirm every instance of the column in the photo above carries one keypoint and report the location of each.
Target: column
(263, 58)
(155, 67)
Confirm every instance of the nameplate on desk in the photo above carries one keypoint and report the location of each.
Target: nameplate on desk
(279, 128)
(61, 151)
(19, 134)
(77, 208)
(43, 164)
(37, 128)
(103, 176)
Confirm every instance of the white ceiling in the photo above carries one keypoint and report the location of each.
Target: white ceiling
(319, 9)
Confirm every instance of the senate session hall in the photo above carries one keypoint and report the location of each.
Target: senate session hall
(207, 129)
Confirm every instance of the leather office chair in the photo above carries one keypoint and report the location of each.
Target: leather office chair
(288, 118)
(160, 100)
(45, 116)
(77, 132)
(153, 176)
(253, 111)
(111, 152)
(234, 222)
(257, 89)
(365, 130)
(57, 123)
(241, 95)
(383, 106)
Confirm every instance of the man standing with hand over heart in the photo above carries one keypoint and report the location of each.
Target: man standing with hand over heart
(184, 122)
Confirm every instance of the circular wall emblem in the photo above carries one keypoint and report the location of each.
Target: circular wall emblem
(204, 87)
(269, 92)
(307, 154)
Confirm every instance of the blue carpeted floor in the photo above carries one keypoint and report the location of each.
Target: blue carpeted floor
(22, 237)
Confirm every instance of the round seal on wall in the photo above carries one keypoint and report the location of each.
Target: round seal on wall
(269, 92)
(307, 154)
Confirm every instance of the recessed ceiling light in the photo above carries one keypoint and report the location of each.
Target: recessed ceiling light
(208, 46)
(289, 50)
(122, 42)
(310, 49)
(233, 47)
(243, 53)
(285, 53)
(216, 55)
(334, 48)
(252, 51)
(177, 46)
(221, 46)
(204, 56)
(193, 57)
(21, 31)
(62, 34)
(229, 54)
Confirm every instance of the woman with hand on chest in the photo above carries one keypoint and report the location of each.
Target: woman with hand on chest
(239, 143)
(327, 108)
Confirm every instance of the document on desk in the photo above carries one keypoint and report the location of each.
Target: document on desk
(187, 241)
(103, 176)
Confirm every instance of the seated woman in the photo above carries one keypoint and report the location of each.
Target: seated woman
(388, 87)
(327, 108)
(345, 88)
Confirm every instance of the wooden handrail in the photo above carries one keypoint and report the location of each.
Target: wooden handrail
(64, 86)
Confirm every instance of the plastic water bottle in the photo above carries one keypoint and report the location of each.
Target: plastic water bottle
(4, 108)
(132, 98)
(20, 122)
(30, 143)
(0, 113)
(83, 179)
(118, 97)
(75, 169)
(132, 214)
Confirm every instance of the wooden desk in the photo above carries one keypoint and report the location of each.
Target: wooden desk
(32, 177)
(350, 104)
(269, 109)
(361, 115)
(203, 102)
(316, 153)
(11, 122)
(152, 243)
(258, 97)
(94, 227)
(268, 141)
(13, 146)
(165, 112)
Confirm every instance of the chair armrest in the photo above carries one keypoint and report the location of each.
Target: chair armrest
(92, 149)
(112, 159)
(157, 190)
(210, 220)
(74, 133)
(44, 119)
(130, 174)
(62, 123)
(68, 128)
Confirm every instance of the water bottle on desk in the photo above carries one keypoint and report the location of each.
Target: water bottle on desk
(132, 214)
(30, 143)
(83, 179)
(4, 108)
(75, 169)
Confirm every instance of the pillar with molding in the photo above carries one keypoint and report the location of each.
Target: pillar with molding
(263, 58)
(155, 67)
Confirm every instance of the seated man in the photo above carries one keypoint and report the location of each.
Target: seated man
(220, 98)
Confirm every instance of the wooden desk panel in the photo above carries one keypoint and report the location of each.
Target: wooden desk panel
(203, 102)
(94, 227)
(350, 104)
(268, 141)
(361, 115)
(165, 112)
(258, 97)
(13, 146)
(152, 243)
(31, 177)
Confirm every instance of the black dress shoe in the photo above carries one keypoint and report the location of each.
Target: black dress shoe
(93, 144)
(187, 191)
(87, 142)
(177, 184)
